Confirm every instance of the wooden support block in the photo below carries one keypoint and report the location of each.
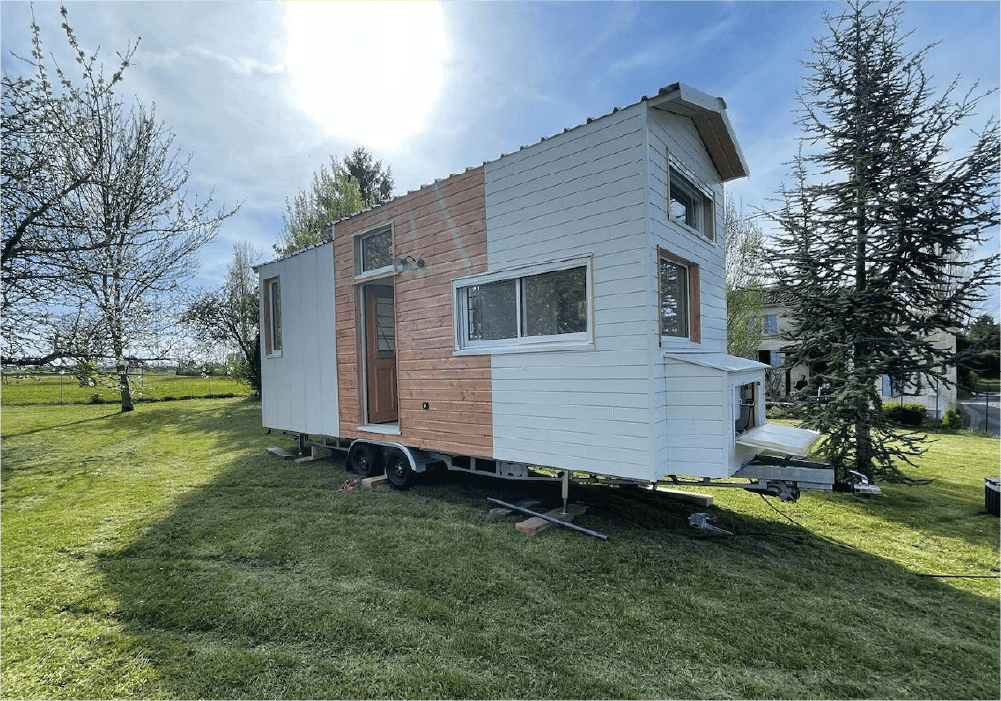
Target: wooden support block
(371, 482)
(281, 453)
(500, 513)
(538, 525)
(700, 499)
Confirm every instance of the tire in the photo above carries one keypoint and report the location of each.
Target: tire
(398, 470)
(365, 460)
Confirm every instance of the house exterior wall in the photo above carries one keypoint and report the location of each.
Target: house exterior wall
(935, 396)
(579, 193)
(614, 405)
(680, 437)
(443, 224)
(299, 391)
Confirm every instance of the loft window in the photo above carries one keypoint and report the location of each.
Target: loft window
(689, 205)
(546, 307)
(679, 297)
(770, 325)
(375, 251)
(272, 316)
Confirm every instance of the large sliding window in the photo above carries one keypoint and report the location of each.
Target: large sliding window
(541, 307)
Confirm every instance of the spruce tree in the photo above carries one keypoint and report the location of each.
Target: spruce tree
(877, 231)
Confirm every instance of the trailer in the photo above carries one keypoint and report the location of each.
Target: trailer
(559, 311)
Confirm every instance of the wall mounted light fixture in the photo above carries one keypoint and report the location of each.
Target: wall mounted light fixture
(402, 265)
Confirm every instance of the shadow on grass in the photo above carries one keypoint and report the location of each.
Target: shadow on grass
(266, 582)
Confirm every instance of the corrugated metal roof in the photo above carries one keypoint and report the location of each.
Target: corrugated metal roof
(708, 113)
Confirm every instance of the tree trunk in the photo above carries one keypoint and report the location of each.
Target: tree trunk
(126, 388)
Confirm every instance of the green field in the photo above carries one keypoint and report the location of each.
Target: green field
(30, 387)
(162, 553)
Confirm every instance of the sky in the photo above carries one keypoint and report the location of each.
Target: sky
(261, 94)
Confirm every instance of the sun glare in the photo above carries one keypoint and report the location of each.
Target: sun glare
(369, 71)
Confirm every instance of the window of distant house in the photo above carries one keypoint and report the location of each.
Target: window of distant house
(374, 252)
(544, 306)
(272, 316)
(893, 385)
(689, 205)
(771, 324)
(679, 297)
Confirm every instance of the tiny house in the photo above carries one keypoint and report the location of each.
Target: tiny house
(562, 306)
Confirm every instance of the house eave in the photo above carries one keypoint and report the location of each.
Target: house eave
(710, 118)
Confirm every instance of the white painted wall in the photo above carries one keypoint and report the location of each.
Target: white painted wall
(299, 388)
(581, 192)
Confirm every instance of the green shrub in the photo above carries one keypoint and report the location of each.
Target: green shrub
(905, 414)
(952, 420)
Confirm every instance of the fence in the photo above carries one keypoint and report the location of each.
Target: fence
(34, 387)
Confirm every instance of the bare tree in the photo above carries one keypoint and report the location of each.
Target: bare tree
(229, 315)
(54, 131)
(141, 233)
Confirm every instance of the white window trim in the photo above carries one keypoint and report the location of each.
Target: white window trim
(524, 344)
(269, 318)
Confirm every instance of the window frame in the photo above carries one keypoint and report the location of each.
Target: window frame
(273, 340)
(522, 343)
(770, 324)
(361, 274)
(703, 201)
(694, 331)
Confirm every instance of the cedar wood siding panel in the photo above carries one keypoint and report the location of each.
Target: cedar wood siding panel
(444, 224)
(579, 193)
(675, 428)
(299, 389)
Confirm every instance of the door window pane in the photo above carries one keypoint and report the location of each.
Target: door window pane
(377, 251)
(492, 311)
(555, 303)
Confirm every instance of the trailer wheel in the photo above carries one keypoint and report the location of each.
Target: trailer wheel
(398, 470)
(364, 460)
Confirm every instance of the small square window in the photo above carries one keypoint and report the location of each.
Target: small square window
(375, 251)
(688, 205)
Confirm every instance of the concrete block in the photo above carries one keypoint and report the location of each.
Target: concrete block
(281, 453)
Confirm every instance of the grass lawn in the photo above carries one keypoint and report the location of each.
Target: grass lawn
(163, 554)
(33, 387)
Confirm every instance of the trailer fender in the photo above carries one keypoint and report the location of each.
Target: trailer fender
(417, 458)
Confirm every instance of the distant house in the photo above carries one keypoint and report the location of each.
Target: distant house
(783, 382)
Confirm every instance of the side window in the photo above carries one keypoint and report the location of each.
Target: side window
(680, 315)
(689, 204)
(272, 316)
(547, 307)
(771, 325)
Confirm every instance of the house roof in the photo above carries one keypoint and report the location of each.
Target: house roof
(709, 115)
(707, 112)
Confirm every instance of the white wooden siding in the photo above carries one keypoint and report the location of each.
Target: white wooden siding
(299, 389)
(581, 192)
